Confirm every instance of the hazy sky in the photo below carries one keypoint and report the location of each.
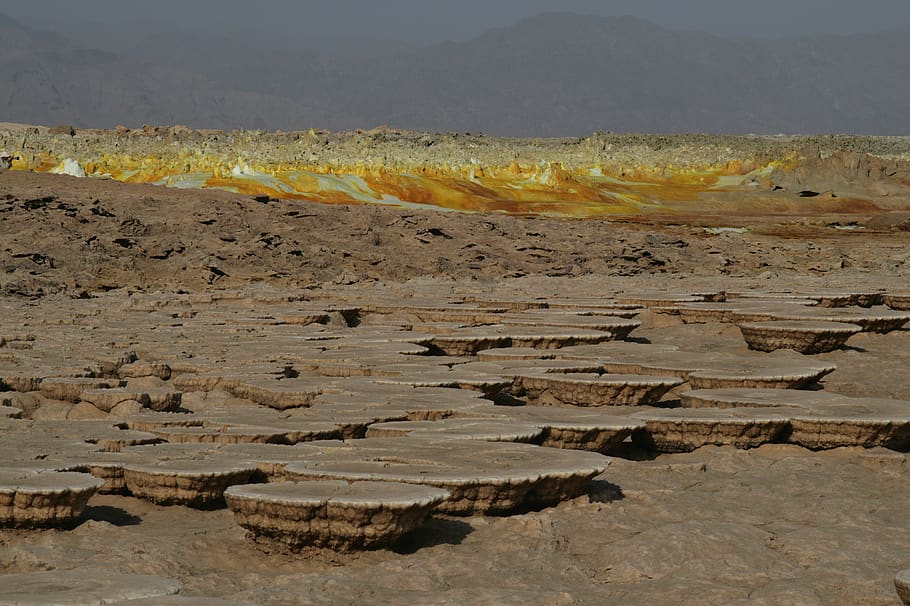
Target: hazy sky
(426, 21)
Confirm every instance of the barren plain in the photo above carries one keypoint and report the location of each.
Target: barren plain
(389, 368)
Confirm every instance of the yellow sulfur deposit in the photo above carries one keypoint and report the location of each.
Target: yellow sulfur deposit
(516, 188)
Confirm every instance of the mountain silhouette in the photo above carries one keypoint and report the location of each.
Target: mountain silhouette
(550, 75)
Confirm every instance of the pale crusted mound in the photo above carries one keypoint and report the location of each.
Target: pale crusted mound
(506, 354)
(620, 328)
(44, 498)
(865, 422)
(490, 430)
(805, 337)
(822, 297)
(81, 587)
(482, 477)
(664, 299)
(783, 377)
(196, 483)
(338, 515)
(418, 376)
(817, 420)
(878, 320)
(471, 341)
(570, 427)
(898, 301)
(754, 398)
(684, 430)
(592, 390)
(70, 389)
(902, 584)
(280, 395)
(231, 434)
(414, 404)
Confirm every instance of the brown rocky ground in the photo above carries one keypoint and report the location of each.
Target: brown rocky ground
(68, 235)
(774, 525)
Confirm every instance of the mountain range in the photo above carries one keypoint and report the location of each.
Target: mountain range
(550, 75)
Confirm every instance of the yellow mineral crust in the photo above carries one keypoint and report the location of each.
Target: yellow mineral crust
(525, 189)
(682, 178)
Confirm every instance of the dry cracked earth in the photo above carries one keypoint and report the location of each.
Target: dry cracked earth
(209, 399)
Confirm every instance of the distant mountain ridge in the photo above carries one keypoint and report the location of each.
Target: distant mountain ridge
(551, 75)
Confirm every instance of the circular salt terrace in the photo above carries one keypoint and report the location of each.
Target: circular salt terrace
(704, 313)
(149, 420)
(544, 337)
(280, 395)
(464, 344)
(489, 430)
(843, 298)
(509, 304)
(678, 364)
(820, 420)
(806, 337)
(334, 514)
(591, 304)
(515, 353)
(618, 327)
(755, 398)
(659, 299)
(898, 301)
(81, 587)
(196, 483)
(822, 298)
(70, 389)
(684, 430)
(422, 377)
(902, 584)
(482, 477)
(865, 422)
(234, 434)
(588, 389)
(573, 428)
(541, 337)
(783, 377)
(44, 498)
(399, 403)
(23, 382)
(870, 320)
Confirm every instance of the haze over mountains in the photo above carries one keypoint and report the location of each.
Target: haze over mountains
(551, 75)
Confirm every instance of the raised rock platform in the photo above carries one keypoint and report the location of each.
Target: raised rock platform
(44, 498)
(333, 514)
(805, 337)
